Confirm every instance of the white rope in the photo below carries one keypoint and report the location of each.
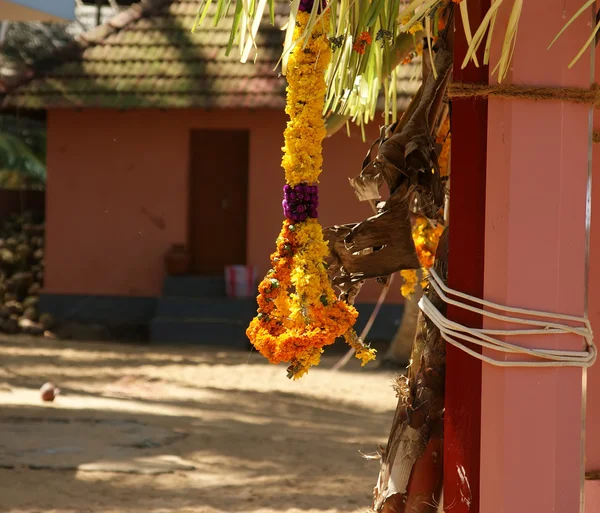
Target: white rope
(451, 331)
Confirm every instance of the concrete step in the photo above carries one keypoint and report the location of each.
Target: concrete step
(221, 333)
(214, 308)
(195, 286)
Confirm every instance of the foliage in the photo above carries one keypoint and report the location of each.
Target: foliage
(20, 165)
(371, 38)
(28, 42)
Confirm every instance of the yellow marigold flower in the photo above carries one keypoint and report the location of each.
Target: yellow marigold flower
(426, 236)
(362, 352)
(415, 27)
(409, 276)
(365, 355)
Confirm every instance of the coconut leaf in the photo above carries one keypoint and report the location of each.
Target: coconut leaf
(467, 27)
(237, 18)
(17, 157)
(355, 81)
(373, 13)
(586, 45)
(483, 27)
(581, 10)
(509, 40)
(488, 44)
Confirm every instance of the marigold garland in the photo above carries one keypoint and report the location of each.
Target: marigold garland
(298, 312)
(426, 235)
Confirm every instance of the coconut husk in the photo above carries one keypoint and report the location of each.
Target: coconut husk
(31, 301)
(9, 325)
(21, 275)
(33, 228)
(23, 251)
(7, 257)
(34, 289)
(9, 296)
(14, 307)
(22, 281)
(30, 327)
(30, 313)
(12, 243)
(37, 241)
(46, 321)
(10, 285)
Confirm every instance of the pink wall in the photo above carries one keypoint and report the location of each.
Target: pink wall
(117, 193)
(531, 418)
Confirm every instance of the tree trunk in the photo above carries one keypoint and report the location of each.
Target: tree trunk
(411, 474)
(398, 354)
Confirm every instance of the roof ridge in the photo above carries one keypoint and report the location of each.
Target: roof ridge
(89, 38)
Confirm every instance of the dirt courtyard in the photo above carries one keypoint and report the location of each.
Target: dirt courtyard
(156, 429)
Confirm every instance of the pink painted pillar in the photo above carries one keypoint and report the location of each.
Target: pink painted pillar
(592, 451)
(537, 171)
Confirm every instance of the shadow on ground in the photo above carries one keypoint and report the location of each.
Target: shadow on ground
(254, 447)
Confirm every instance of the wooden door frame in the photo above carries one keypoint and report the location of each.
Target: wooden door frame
(190, 184)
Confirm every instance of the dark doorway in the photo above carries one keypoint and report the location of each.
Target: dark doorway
(218, 199)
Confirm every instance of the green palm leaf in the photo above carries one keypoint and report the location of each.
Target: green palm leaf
(17, 157)
(355, 80)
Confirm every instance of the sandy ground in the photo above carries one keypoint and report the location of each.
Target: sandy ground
(257, 442)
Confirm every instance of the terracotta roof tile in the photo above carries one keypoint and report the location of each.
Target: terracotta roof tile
(147, 56)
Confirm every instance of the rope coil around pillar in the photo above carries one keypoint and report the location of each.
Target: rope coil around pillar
(452, 331)
(591, 96)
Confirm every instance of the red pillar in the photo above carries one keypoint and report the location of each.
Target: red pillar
(465, 273)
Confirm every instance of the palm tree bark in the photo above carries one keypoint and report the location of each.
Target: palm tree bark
(411, 474)
(398, 353)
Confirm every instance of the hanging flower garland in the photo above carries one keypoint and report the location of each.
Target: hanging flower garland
(298, 312)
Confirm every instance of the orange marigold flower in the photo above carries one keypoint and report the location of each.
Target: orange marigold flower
(365, 38)
(360, 45)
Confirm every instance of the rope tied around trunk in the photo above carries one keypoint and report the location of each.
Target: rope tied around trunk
(452, 331)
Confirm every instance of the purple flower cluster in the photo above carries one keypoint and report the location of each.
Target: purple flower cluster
(307, 5)
(300, 202)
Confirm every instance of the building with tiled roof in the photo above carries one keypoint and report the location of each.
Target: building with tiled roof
(147, 56)
(156, 138)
